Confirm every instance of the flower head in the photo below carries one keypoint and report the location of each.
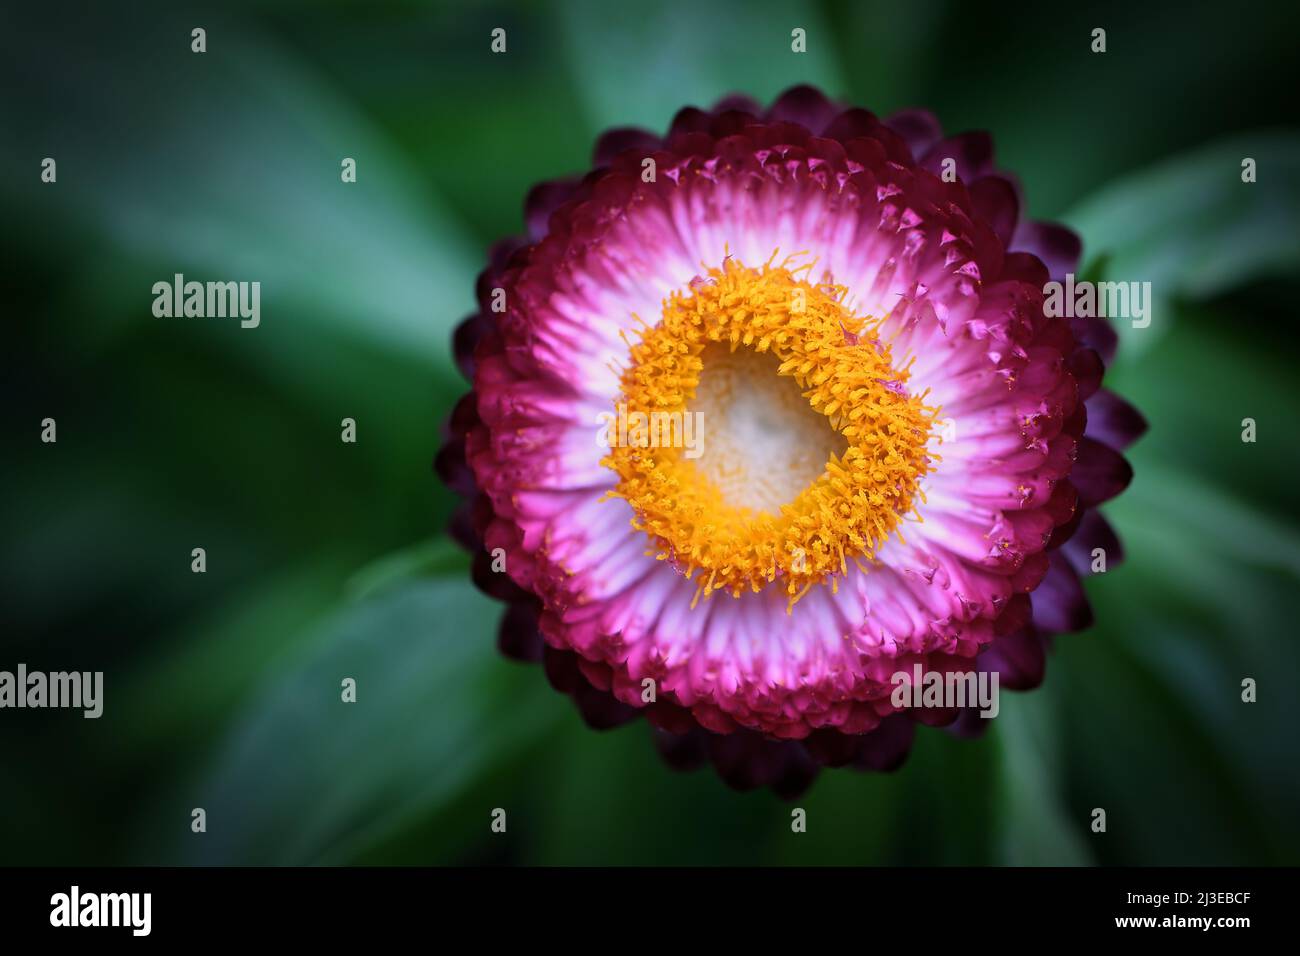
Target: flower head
(899, 451)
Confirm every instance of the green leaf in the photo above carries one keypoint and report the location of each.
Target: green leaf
(226, 166)
(439, 555)
(1037, 826)
(1159, 732)
(305, 778)
(629, 78)
(1193, 229)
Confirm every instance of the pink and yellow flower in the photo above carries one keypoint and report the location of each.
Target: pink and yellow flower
(901, 453)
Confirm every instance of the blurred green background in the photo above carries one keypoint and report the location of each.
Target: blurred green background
(326, 560)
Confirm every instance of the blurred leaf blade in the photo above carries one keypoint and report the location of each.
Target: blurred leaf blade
(1192, 228)
(378, 261)
(715, 52)
(307, 778)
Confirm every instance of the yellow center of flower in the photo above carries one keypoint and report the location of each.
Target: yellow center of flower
(784, 460)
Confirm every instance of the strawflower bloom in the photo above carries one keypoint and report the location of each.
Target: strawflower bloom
(898, 454)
